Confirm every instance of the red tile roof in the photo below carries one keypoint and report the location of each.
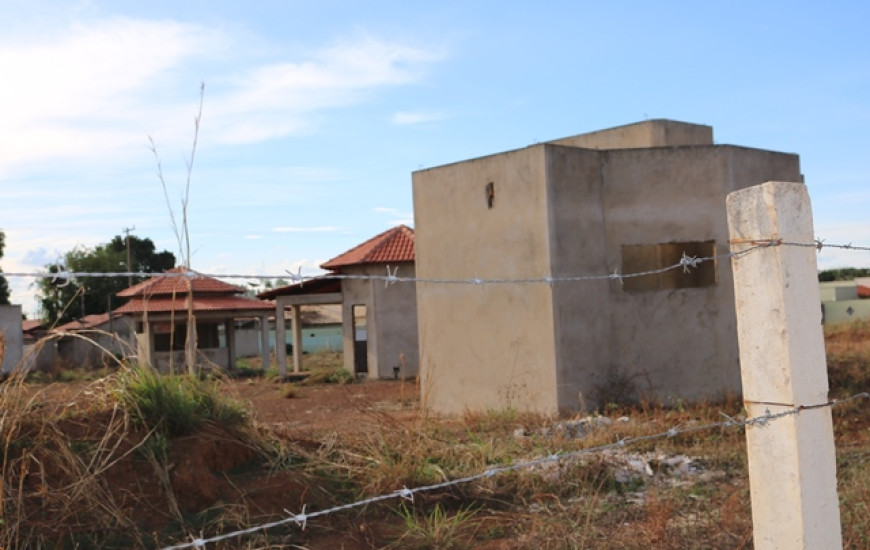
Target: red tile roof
(165, 304)
(324, 285)
(165, 294)
(166, 286)
(28, 325)
(86, 322)
(393, 245)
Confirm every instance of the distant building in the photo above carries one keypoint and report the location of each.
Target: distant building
(379, 323)
(845, 301)
(94, 340)
(321, 331)
(33, 330)
(624, 200)
(160, 305)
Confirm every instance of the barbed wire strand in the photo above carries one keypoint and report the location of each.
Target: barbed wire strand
(301, 519)
(686, 263)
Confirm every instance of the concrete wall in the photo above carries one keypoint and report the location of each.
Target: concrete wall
(564, 211)
(210, 357)
(11, 338)
(578, 246)
(840, 302)
(88, 348)
(833, 291)
(485, 346)
(41, 355)
(391, 320)
(83, 348)
(314, 338)
(321, 338)
(216, 356)
(650, 133)
(395, 324)
(679, 343)
(357, 293)
(247, 342)
(845, 311)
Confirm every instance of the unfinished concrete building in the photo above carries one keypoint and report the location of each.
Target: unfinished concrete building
(619, 201)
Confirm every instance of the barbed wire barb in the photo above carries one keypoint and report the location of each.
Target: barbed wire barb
(392, 277)
(689, 262)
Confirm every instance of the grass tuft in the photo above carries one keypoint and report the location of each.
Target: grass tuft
(177, 403)
(438, 528)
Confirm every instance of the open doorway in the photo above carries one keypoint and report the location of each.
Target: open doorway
(360, 340)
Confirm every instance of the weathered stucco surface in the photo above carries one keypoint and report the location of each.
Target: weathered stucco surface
(485, 346)
(393, 320)
(561, 211)
(653, 133)
(11, 338)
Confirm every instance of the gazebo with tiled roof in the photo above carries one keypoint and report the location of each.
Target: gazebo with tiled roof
(379, 323)
(161, 305)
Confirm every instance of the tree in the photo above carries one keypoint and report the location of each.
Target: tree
(4, 286)
(843, 274)
(62, 301)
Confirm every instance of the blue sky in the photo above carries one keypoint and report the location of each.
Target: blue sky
(316, 113)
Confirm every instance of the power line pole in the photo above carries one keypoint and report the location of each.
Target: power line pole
(126, 231)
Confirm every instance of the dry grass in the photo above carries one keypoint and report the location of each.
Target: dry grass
(94, 475)
(101, 470)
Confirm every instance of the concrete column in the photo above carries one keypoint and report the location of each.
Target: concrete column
(297, 337)
(11, 338)
(231, 343)
(792, 462)
(372, 348)
(265, 356)
(280, 338)
(348, 337)
(145, 347)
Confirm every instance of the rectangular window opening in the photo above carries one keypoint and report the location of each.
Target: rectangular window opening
(640, 258)
(207, 335)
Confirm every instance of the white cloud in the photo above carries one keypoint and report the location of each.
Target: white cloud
(852, 234)
(40, 257)
(83, 91)
(80, 96)
(318, 229)
(271, 269)
(94, 90)
(397, 216)
(275, 100)
(405, 117)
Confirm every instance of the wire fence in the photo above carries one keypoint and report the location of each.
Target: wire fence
(686, 263)
(301, 519)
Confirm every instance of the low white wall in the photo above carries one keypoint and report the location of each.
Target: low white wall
(11, 338)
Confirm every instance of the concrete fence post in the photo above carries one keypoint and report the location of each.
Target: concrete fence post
(792, 461)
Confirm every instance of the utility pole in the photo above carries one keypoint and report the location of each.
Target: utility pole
(126, 231)
(82, 300)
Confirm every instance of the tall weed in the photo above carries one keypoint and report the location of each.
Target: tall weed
(177, 403)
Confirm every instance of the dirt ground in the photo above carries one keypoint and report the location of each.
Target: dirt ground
(211, 468)
(70, 490)
(311, 409)
(330, 407)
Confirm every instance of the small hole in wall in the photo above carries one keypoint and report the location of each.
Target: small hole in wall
(490, 194)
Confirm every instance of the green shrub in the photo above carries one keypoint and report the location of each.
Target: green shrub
(330, 375)
(178, 403)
